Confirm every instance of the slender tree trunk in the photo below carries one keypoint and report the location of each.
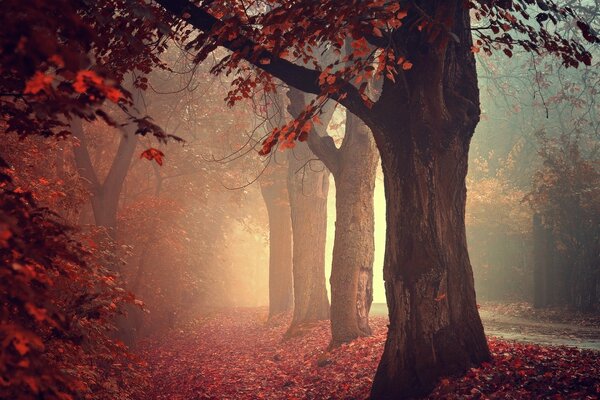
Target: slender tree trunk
(308, 186)
(354, 247)
(274, 192)
(540, 272)
(423, 129)
(353, 166)
(105, 195)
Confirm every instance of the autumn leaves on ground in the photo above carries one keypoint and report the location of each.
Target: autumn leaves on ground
(239, 354)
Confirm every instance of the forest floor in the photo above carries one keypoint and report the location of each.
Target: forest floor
(239, 355)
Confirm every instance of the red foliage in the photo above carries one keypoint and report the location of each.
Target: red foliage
(241, 356)
(58, 302)
(153, 154)
(526, 371)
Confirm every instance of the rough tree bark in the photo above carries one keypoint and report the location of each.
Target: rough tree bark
(423, 131)
(354, 245)
(308, 186)
(273, 185)
(353, 167)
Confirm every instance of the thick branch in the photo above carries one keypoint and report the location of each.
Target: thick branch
(294, 75)
(322, 146)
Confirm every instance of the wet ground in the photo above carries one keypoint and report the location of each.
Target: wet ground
(530, 330)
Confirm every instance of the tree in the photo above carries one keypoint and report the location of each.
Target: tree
(275, 193)
(422, 124)
(308, 187)
(565, 197)
(353, 167)
(105, 195)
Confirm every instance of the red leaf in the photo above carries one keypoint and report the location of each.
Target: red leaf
(153, 154)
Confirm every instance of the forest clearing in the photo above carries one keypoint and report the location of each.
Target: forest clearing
(299, 199)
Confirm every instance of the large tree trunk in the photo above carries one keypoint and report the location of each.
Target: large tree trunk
(274, 192)
(354, 247)
(308, 186)
(423, 132)
(435, 329)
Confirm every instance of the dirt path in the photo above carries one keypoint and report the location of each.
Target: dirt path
(527, 330)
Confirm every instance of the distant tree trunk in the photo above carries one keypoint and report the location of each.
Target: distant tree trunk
(566, 259)
(104, 195)
(540, 269)
(273, 185)
(308, 186)
(354, 246)
(582, 264)
(353, 166)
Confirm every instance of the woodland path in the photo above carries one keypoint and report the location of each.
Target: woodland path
(532, 329)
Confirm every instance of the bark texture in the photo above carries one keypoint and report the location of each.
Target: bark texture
(273, 185)
(308, 186)
(423, 135)
(353, 166)
(354, 246)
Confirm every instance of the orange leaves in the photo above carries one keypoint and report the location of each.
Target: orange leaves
(87, 79)
(5, 235)
(296, 130)
(39, 314)
(360, 47)
(153, 154)
(39, 82)
(57, 61)
(24, 341)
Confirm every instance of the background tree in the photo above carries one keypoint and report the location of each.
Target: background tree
(565, 196)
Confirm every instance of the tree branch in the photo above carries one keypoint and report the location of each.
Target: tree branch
(302, 78)
(322, 146)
